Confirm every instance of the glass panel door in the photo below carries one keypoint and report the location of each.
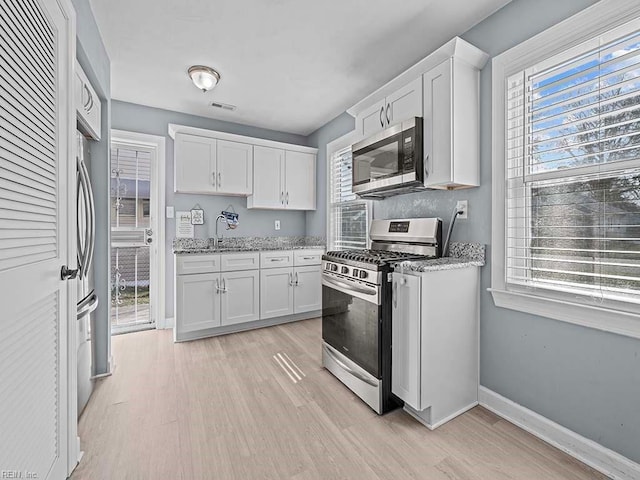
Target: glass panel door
(131, 236)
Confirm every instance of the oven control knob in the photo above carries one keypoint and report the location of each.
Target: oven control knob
(334, 267)
(345, 270)
(355, 272)
(363, 274)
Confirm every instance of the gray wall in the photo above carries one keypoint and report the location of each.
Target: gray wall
(583, 379)
(93, 58)
(339, 126)
(139, 118)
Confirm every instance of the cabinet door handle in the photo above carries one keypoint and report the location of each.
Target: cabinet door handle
(297, 280)
(290, 280)
(224, 285)
(282, 198)
(387, 114)
(276, 259)
(308, 258)
(217, 286)
(382, 116)
(426, 167)
(213, 181)
(219, 179)
(287, 198)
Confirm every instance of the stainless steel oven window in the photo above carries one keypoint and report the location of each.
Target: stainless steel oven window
(350, 325)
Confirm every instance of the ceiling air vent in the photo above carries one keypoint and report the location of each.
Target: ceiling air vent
(224, 106)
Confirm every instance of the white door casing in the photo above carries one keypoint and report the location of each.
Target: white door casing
(157, 146)
(37, 237)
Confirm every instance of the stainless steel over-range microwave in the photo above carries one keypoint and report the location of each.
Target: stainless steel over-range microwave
(389, 162)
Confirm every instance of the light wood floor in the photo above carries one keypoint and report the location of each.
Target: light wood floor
(223, 408)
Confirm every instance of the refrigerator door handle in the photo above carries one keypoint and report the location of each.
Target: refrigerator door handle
(91, 218)
(88, 305)
(83, 207)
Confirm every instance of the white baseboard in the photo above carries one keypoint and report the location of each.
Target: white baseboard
(169, 323)
(587, 451)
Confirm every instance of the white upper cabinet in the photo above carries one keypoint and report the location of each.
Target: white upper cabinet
(404, 103)
(283, 179)
(371, 120)
(235, 168)
(88, 107)
(272, 175)
(300, 181)
(268, 188)
(443, 89)
(207, 165)
(195, 164)
(451, 126)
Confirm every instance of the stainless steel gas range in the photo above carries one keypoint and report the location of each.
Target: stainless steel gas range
(356, 305)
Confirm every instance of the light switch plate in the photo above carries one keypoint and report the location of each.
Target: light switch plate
(170, 212)
(277, 224)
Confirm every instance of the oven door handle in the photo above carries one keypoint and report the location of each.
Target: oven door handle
(348, 287)
(348, 369)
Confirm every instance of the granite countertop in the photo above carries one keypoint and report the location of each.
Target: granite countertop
(245, 244)
(461, 255)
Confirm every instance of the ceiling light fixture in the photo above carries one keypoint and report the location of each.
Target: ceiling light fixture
(205, 78)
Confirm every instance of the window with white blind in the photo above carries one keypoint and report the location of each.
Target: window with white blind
(569, 173)
(348, 214)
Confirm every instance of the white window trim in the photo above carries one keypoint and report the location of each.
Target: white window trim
(620, 318)
(332, 147)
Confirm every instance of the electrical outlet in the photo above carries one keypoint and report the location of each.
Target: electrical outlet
(463, 205)
(277, 224)
(169, 212)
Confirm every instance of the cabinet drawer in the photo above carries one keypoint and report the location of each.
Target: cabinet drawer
(307, 257)
(276, 259)
(234, 262)
(190, 264)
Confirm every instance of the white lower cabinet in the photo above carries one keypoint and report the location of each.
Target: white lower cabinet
(290, 290)
(240, 297)
(285, 291)
(217, 292)
(307, 294)
(198, 301)
(276, 292)
(435, 343)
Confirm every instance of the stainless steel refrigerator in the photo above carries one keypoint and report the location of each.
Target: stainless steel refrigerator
(87, 298)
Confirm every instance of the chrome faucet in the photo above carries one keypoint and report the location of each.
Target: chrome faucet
(217, 238)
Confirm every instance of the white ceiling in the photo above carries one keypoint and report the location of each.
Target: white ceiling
(288, 65)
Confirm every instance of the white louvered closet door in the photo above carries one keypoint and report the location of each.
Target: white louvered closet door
(37, 196)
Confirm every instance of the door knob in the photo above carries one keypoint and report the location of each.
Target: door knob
(68, 273)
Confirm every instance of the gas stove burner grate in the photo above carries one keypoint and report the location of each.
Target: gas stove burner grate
(374, 257)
